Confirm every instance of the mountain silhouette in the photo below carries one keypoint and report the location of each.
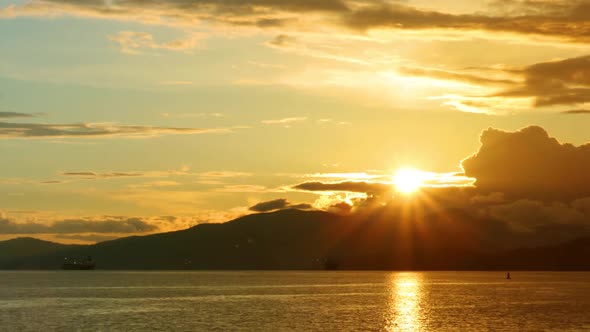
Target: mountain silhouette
(296, 239)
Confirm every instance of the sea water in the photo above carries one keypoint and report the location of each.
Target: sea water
(294, 301)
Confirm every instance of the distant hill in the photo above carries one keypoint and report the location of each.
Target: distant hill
(14, 252)
(569, 256)
(294, 239)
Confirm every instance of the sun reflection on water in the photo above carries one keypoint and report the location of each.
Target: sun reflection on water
(405, 296)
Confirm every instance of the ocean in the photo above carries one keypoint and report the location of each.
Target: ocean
(293, 301)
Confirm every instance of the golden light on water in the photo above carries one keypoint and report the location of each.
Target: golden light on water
(405, 301)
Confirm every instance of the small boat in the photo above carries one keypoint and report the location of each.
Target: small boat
(73, 263)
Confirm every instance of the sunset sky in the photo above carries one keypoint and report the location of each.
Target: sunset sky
(134, 117)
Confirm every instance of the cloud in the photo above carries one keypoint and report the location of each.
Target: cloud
(567, 20)
(545, 84)
(75, 226)
(155, 184)
(94, 130)
(576, 112)
(455, 76)
(527, 215)
(557, 83)
(224, 174)
(301, 206)
(282, 41)
(370, 188)
(89, 174)
(246, 188)
(133, 42)
(348, 176)
(531, 7)
(526, 180)
(545, 222)
(340, 208)
(255, 13)
(529, 164)
(51, 182)
(192, 115)
(285, 121)
(175, 83)
(277, 204)
(5, 115)
(563, 82)
(91, 238)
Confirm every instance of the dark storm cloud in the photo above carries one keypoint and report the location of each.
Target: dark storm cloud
(277, 204)
(370, 188)
(83, 130)
(530, 164)
(73, 226)
(565, 19)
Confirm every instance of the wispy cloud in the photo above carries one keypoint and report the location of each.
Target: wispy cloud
(94, 130)
(180, 83)
(193, 115)
(134, 42)
(247, 188)
(71, 226)
(348, 176)
(155, 184)
(210, 177)
(563, 82)
(566, 20)
(576, 112)
(502, 90)
(223, 174)
(284, 121)
(90, 174)
(278, 204)
(5, 115)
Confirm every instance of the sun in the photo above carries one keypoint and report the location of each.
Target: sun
(408, 180)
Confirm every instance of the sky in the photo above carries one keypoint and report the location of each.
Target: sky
(132, 117)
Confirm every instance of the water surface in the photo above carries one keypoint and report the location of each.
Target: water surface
(294, 301)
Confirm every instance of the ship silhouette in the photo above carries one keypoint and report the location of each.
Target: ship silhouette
(76, 263)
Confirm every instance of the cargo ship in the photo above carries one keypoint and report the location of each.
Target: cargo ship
(73, 263)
